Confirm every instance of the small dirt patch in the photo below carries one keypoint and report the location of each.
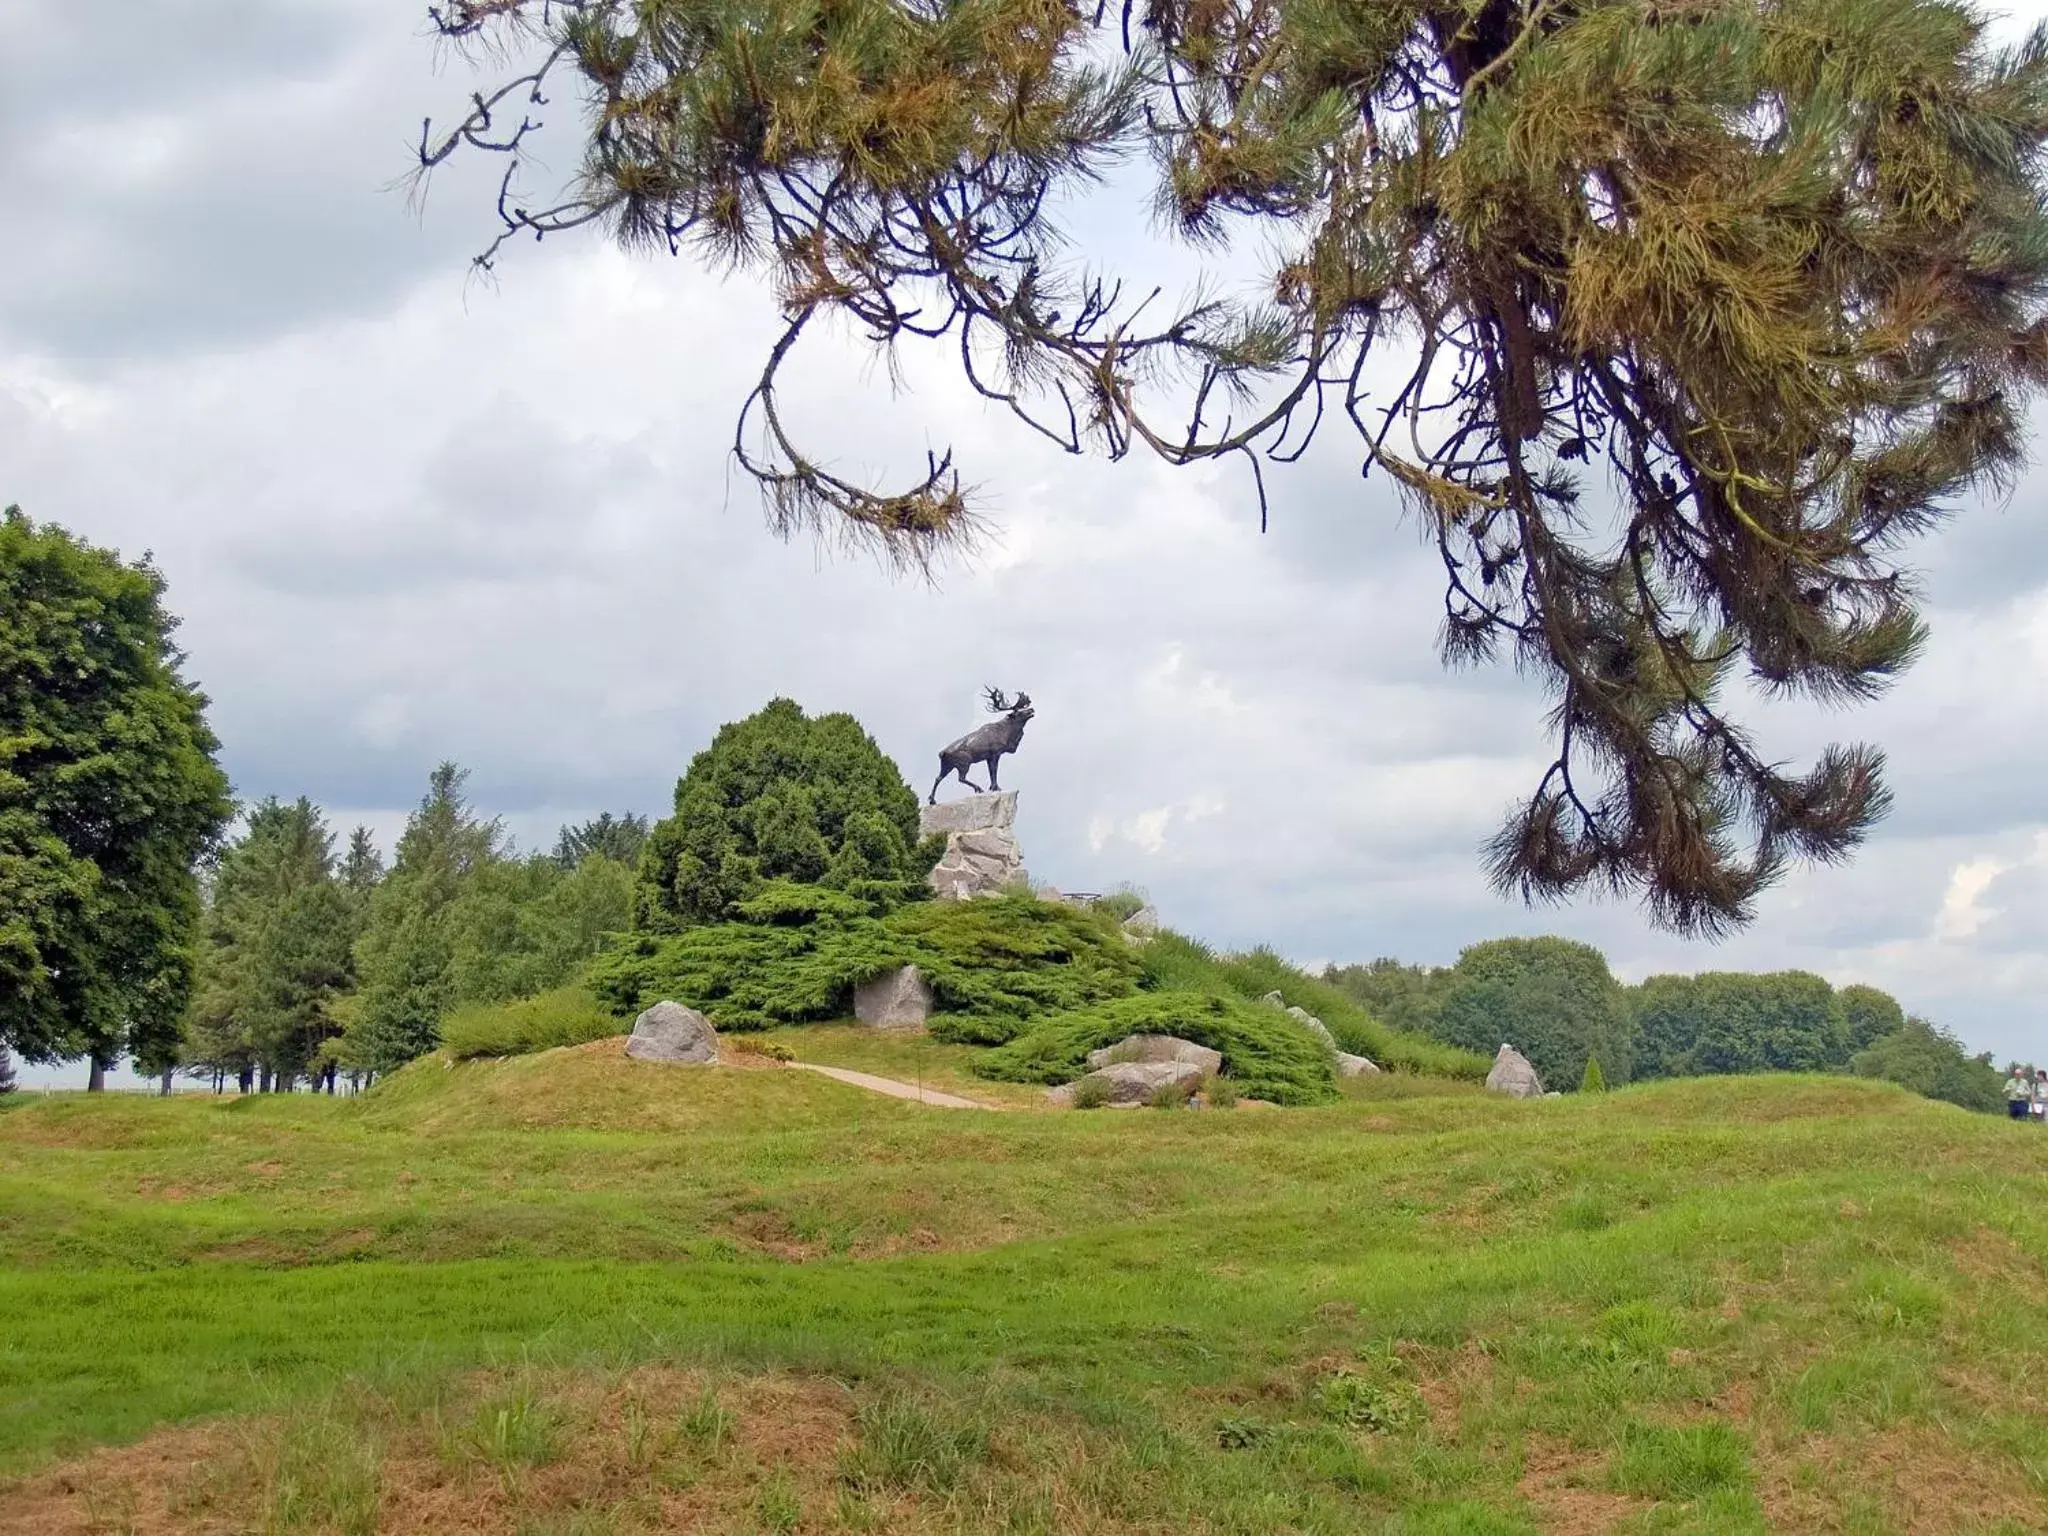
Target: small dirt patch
(1927, 1484)
(1563, 1488)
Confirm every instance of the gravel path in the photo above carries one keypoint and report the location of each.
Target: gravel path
(897, 1090)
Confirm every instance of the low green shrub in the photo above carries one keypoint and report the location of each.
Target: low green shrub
(999, 961)
(905, 1444)
(1219, 1092)
(1174, 962)
(796, 954)
(1358, 1402)
(1681, 1462)
(1171, 1096)
(1091, 1093)
(1267, 1054)
(565, 1016)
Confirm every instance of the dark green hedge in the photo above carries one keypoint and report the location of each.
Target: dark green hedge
(799, 951)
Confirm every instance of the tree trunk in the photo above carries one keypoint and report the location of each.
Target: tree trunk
(167, 1082)
(245, 1079)
(263, 1081)
(97, 1083)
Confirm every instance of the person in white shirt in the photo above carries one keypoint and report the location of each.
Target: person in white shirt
(2018, 1092)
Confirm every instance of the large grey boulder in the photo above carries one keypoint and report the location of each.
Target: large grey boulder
(1514, 1076)
(982, 857)
(1314, 1026)
(1156, 1048)
(1143, 923)
(1132, 1083)
(898, 999)
(1349, 1065)
(1274, 999)
(669, 1032)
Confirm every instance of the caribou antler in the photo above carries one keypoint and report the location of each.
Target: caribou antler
(997, 703)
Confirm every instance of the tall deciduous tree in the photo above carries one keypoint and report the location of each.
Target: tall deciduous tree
(1931, 1061)
(1735, 1021)
(109, 795)
(1868, 1015)
(7, 1084)
(1554, 1000)
(1772, 269)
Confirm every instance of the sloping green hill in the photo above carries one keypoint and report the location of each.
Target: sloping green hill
(572, 1292)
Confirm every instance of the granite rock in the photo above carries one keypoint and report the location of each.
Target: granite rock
(1132, 1083)
(898, 999)
(669, 1032)
(1514, 1076)
(1143, 923)
(1156, 1048)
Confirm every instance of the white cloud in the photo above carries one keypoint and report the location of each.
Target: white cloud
(1960, 915)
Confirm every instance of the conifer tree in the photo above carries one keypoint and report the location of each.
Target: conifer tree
(780, 795)
(1673, 323)
(362, 866)
(619, 838)
(278, 934)
(406, 956)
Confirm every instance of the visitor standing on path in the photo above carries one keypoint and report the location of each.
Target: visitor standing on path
(2017, 1092)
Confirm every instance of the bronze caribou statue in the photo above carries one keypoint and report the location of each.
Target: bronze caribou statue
(985, 745)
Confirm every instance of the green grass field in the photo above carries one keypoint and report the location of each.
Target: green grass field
(572, 1293)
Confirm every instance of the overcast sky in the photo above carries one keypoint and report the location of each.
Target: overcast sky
(406, 518)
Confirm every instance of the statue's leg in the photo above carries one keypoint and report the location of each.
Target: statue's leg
(993, 787)
(967, 781)
(933, 797)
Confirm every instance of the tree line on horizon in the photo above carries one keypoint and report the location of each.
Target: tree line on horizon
(133, 925)
(314, 965)
(1557, 1002)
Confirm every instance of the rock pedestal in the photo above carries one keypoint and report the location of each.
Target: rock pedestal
(898, 999)
(1514, 1076)
(982, 857)
(669, 1032)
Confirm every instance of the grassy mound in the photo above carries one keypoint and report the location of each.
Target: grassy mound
(1172, 962)
(1734, 1305)
(566, 1016)
(1267, 1054)
(595, 1087)
(798, 952)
